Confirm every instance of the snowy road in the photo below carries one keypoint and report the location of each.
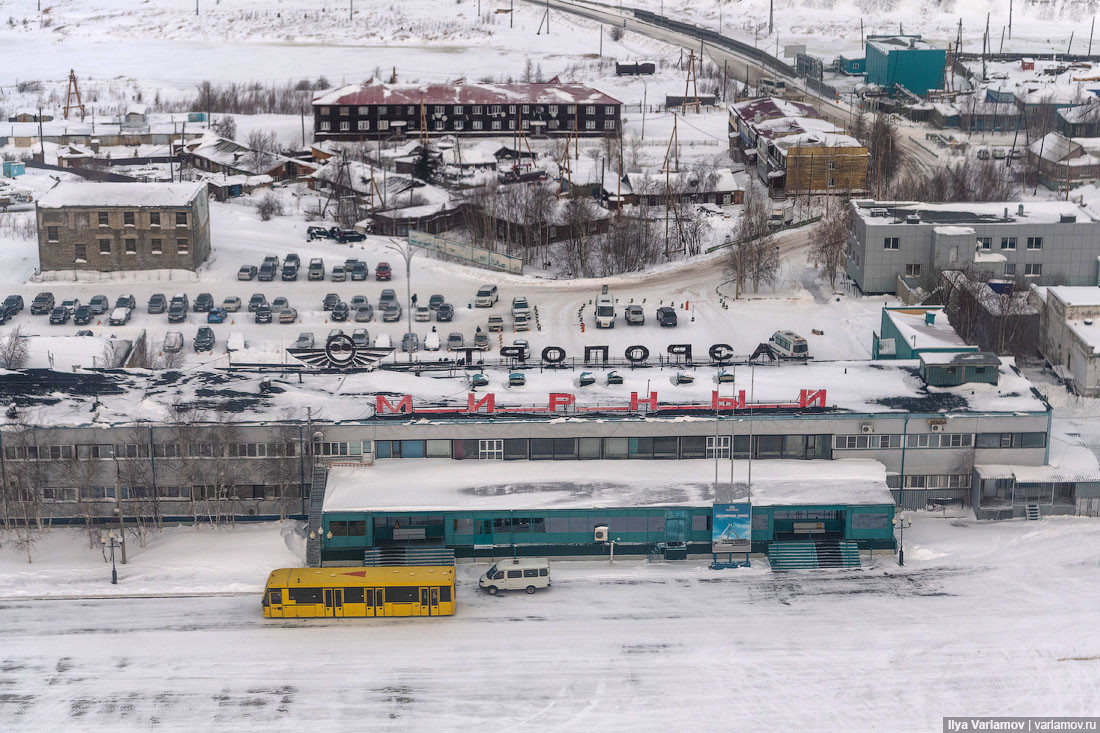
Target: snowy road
(654, 647)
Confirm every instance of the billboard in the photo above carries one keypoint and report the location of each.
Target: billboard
(732, 527)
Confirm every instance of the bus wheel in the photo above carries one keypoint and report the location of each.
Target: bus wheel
(530, 589)
(492, 590)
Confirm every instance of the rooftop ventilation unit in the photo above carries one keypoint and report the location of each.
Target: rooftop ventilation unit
(883, 213)
(912, 219)
(1067, 218)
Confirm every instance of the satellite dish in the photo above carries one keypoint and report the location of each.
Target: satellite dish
(443, 117)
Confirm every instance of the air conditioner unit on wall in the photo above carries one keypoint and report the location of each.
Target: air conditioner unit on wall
(599, 534)
(936, 428)
(866, 429)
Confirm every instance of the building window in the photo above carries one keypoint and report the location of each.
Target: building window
(127, 218)
(609, 109)
(1010, 268)
(156, 246)
(832, 165)
(985, 242)
(590, 125)
(363, 111)
(459, 124)
(325, 125)
(511, 109)
(1034, 242)
(511, 124)
(495, 109)
(383, 125)
(131, 246)
(439, 125)
(345, 111)
(590, 109)
(105, 246)
(496, 124)
(1008, 242)
(891, 243)
(609, 125)
(52, 234)
(831, 182)
(458, 109)
(477, 109)
(382, 112)
(103, 219)
(477, 124)
(80, 253)
(571, 109)
(912, 270)
(526, 124)
(154, 218)
(364, 124)
(326, 111)
(345, 126)
(182, 247)
(181, 218)
(1033, 269)
(552, 109)
(438, 109)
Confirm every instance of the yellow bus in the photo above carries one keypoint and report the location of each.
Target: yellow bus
(359, 592)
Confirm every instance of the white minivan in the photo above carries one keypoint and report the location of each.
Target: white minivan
(523, 573)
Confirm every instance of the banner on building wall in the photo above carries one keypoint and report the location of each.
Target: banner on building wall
(731, 528)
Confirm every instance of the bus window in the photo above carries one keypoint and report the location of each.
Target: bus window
(515, 573)
(445, 593)
(533, 573)
(275, 597)
(353, 595)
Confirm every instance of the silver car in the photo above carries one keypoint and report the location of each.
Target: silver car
(305, 340)
(361, 338)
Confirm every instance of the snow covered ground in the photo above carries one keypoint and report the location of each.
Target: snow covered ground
(985, 619)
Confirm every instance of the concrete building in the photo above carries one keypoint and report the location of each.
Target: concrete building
(904, 61)
(111, 227)
(1046, 242)
(1069, 334)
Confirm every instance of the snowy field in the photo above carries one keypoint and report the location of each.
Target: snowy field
(985, 619)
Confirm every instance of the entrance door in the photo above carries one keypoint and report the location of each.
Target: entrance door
(676, 526)
(379, 602)
(434, 594)
(425, 604)
(490, 449)
(334, 602)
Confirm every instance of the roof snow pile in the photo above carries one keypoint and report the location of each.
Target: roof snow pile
(462, 92)
(120, 194)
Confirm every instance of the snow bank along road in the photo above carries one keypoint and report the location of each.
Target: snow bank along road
(1006, 629)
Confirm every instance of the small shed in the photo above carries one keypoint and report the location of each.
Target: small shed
(852, 65)
(939, 369)
(14, 168)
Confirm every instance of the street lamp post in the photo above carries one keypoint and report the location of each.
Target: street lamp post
(111, 540)
(406, 252)
(901, 522)
(645, 91)
(118, 508)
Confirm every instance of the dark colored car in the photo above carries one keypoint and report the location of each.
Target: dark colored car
(83, 315)
(177, 312)
(383, 271)
(126, 301)
(204, 339)
(59, 316)
(435, 301)
(330, 301)
(290, 272)
(340, 311)
(256, 301)
(203, 303)
(263, 314)
(216, 315)
(158, 303)
(42, 304)
(267, 272)
(5, 314)
(14, 304)
(666, 316)
(317, 233)
(445, 312)
(359, 271)
(348, 235)
(292, 259)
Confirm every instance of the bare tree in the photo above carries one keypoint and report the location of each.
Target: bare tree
(226, 127)
(752, 256)
(13, 349)
(268, 206)
(578, 217)
(693, 228)
(827, 250)
(263, 145)
(22, 496)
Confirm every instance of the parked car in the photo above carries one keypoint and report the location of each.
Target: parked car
(292, 259)
(157, 303)
(359, 271)
(203, 302)
(357, 301)
(59, 316)
(173, 342)
(232, 304)
(180, 298)
(247, 272)
(388, 296)
(392, 312)
(5, 314)
(316, 269)
(445, 312)
(71, 305)
(119, 316)
(520, 305)
(338, 275)
(455, 341)
(340, 311)
(364, 314)
(496, 323)
(423, 313)
(330, 300)
(383, 271)
(267, 272)
(361, 338)
(525, 345)
(263, 313)
(271, 260)
(14, 303)
(204, 339)
(435, 301)
(382, 341)
(99, 304)
(521, 322)
(256, 301)
(487, 296)
(348, 235)
(666, 316)
(333, 333)
(317, 233)
(288, 315)
(280, 303)
(431, 341)
(410, 343)
(290, 273)
(177, 311)
(216, 315)
(634, 315)
(82, 317)
(42, 304)
(481, 340)
(305, 339)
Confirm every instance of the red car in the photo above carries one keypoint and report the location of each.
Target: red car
(383, 271)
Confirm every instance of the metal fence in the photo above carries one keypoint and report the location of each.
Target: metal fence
(467, 252)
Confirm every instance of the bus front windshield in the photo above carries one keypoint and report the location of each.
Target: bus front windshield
(491, 572)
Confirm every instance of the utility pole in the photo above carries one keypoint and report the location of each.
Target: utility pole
(351, 9)
(511, 12)
(601, 40)
(771, 16)
(1009, 20)
(1091, 29)
(1070, 44)
(41, 142)
(118, 509)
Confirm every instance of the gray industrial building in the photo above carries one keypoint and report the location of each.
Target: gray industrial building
(234, 445)
(1047, 242)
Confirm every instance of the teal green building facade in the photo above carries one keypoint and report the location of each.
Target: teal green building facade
(906, 61)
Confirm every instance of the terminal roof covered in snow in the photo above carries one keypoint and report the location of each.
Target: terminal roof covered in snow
(120, 194)
(462, 92)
